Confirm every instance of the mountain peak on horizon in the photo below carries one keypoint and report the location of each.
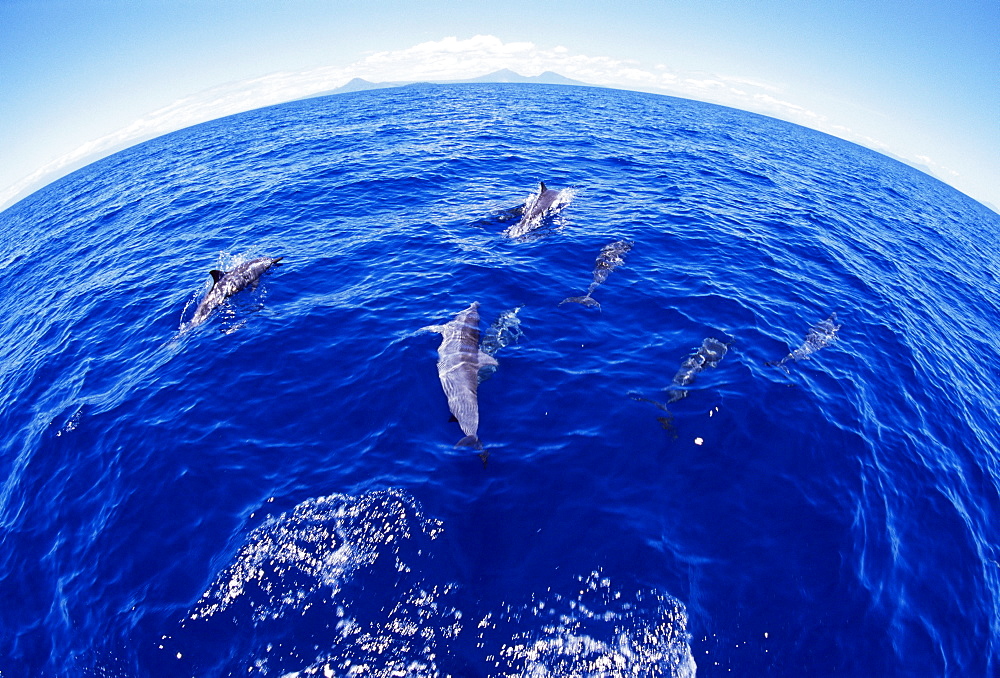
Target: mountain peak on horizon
(357, 85)
(507, 75)
(514, 76)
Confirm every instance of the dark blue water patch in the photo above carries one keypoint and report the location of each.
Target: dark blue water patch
(837, 518)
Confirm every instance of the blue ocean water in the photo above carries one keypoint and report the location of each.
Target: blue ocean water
(277, 492)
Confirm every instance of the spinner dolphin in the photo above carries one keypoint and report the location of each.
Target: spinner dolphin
(227, 283)
(538, 207)
(820, 335)
(459, 361)
(708, 354)
(610, 257)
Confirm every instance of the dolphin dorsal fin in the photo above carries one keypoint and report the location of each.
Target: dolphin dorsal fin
(216, 275)
(542, 184)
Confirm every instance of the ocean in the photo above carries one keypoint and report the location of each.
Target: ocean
(769, 449)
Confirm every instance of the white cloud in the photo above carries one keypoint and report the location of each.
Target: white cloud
(447, 59)
(936, 167)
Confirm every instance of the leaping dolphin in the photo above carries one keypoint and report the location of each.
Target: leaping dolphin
(821, 334)
(228, 283)
(611, 257)
(708, 354)
(459, 361)
(538, 206)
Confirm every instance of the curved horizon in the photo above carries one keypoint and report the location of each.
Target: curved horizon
(918, 83)
(138, 133)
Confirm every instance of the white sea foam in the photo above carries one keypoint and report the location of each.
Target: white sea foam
(595, 630)
(311, 556)
(325, 540)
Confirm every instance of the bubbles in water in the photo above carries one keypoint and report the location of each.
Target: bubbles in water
(72, 423)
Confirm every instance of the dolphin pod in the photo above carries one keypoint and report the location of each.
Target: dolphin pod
(463, 364)
(459, 361)
(821, 334)
(610, 257)
(227, 283)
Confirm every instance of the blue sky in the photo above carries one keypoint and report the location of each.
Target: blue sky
(919, 80)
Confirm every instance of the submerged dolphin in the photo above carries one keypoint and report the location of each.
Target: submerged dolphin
(459, 360)
(506, 329)
(821, 334)
(611, 257)
(538, 206)
(228, 283)
(708, 354)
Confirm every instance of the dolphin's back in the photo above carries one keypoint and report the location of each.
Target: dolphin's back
(228, 283)
(458, 368)
(246, 274)
(820, 335)
(609, 258)
(459, 360)
(534, 211)
(708, 354)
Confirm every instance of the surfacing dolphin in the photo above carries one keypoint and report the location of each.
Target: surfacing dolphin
(539, 206)
(708, 354)
(821, 334)
(611, 257)
(228, 283)
(459, 361)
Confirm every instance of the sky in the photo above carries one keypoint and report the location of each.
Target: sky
(918, 80)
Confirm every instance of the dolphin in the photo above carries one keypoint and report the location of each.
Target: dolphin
(459, 361)
(506, 329)
(538, 206)
(821, 334)
(611, 257)
(228, 283)
(708, 354)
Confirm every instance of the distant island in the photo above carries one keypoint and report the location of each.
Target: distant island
(546, 78)
(504, 75)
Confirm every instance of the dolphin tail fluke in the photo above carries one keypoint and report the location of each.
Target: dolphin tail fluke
(585, 300)
(470, 441)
